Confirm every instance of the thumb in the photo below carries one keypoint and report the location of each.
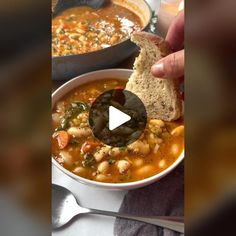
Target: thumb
(171, 66)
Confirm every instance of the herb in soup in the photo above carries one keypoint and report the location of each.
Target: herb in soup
(83, 29)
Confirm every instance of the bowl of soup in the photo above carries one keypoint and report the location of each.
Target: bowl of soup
(78, 154)
(86, 39)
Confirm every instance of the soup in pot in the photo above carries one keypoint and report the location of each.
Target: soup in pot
(82, 29)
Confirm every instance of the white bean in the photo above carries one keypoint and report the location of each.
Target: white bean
(103, 167)
(101, 177)
(79, 132)
(139, 147)
(155, 126)
(156, 148)
(81, 31)
(137, 162)
(114, 39)
(162, 163)
(60, 107)
(79, 170)
(179, 130)
(152, 139)
(83, 116)
(56, 118)
(157, 122)
(100, 154)
(174, 149)
(123, 166)
(115, 152)
(145, 171)
(82, 38)
(74, 36)
(67, 158)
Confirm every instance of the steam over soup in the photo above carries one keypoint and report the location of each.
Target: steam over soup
(76, 149)
(82, 29)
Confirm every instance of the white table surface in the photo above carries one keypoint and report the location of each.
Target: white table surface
(93, 198)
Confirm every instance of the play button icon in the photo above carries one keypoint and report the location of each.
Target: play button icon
(117, 117)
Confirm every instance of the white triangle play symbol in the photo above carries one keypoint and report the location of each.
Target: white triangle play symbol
(117, 118)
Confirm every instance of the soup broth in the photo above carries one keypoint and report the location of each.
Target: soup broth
(82, 29)
(76, 149)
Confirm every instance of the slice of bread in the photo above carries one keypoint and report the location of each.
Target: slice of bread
(160, 96)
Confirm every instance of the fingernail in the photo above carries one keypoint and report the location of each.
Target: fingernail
(158, 69)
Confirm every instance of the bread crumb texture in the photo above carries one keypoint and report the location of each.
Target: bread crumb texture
(160, 96)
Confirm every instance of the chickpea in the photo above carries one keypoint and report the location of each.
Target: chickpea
(123, 166)
(103, 167)
(179, 130)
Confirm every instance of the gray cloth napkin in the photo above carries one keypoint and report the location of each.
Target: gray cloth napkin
(163, 198)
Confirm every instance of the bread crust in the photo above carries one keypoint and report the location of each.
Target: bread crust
(160, 96)
(163, 45)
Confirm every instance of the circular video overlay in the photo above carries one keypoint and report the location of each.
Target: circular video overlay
(117, 117)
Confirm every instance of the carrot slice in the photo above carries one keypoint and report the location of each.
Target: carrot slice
(62, 138)
(88, 145)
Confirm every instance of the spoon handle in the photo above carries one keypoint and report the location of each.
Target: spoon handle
(173, 223)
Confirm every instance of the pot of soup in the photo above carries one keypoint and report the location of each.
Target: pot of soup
(86, 39)
(80, 155)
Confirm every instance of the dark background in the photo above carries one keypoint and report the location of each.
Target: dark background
(210, 117)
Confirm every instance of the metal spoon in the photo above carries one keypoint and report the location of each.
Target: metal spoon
(65, 207)
(60, 5)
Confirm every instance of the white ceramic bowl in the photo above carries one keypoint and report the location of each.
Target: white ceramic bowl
(122, 74)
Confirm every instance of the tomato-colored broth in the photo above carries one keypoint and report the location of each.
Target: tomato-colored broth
(83, 29)
(75, 147)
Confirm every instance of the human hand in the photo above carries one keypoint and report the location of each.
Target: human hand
(172, 66)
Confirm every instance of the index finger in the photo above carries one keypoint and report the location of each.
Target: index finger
(175, 34)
